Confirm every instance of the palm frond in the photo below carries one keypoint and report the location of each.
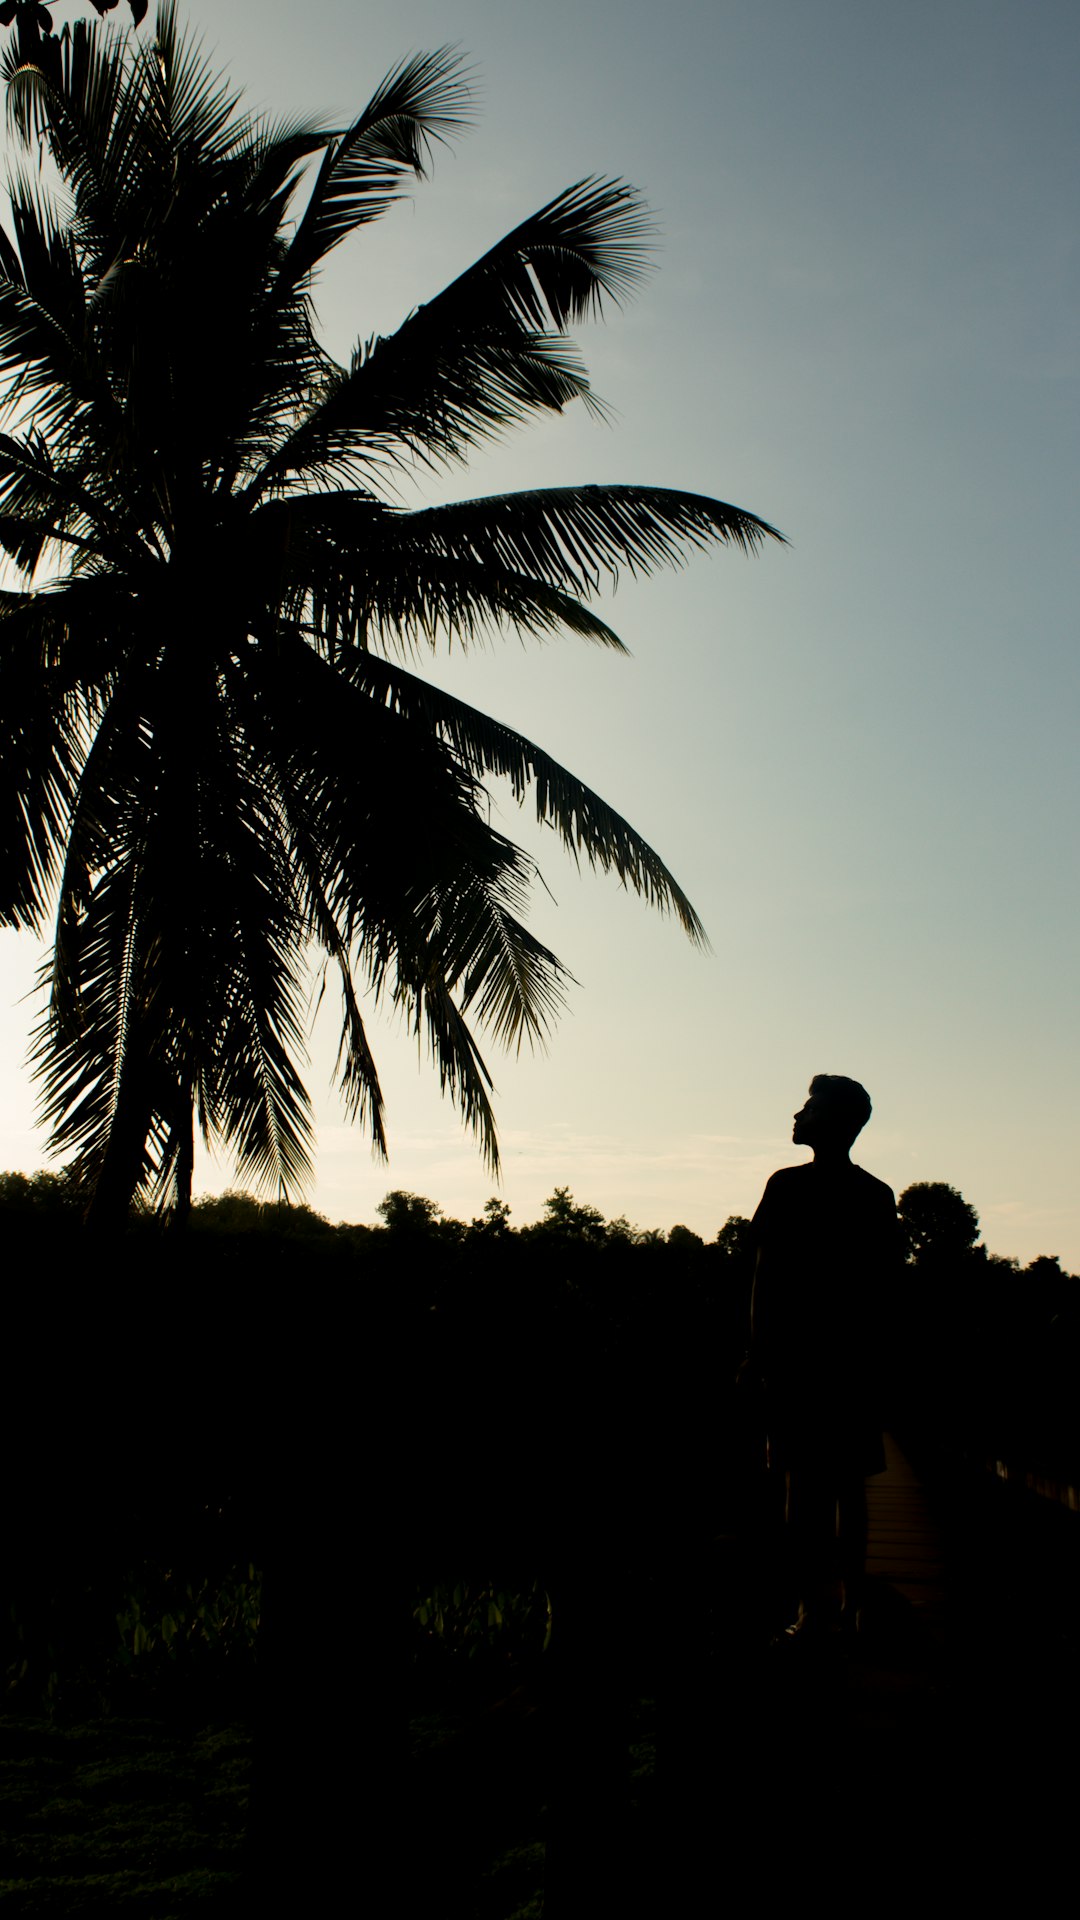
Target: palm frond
(480, 356)
(57, 660)
(374, 576)
(422, 100)
(430, 393)
(592, 242)
(515, 983)
(417, 909)
(40, 753)
(200, 983)
(94, 1052)
(183, 101)
(303, 827)
(410, 601)
(458, 1061)
(42, 303)
(24, 70)
(77, 104)
(40, 502)
(569, 536)
(81, 1046)
(354, 1069)
(259, 1106)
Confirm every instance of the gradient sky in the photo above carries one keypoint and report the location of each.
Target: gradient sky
(859, 754)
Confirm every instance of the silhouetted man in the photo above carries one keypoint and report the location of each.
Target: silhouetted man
(826, 1243)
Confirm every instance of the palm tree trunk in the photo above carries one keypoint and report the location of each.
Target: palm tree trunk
(124, 1159)
(185, 1158)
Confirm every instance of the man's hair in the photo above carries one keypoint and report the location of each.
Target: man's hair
(849, 1101)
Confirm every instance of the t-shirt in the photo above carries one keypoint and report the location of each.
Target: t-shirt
(827, 1246)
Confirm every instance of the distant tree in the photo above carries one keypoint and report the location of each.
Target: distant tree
(685, 1238)
(494, 1221)
(565, 1220)
(1046, 1267)
(735, 1238)
(295, 1221)
(409, 1213)
(236, 1212)
(51, 1195)
(230, 1212)
(938, 1225)
(360, 1236)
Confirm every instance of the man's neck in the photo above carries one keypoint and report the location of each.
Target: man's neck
(832, 1159)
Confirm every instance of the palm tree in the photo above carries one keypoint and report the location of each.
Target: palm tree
(215, 760)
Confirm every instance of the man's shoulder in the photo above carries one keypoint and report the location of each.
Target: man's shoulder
(783, 1188)
(790, 1176)
(874, 1188)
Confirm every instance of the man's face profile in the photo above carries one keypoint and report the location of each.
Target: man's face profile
(808, 1121)
(817, 1120)
(836, 1111)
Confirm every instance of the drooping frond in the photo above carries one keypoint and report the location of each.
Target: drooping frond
(513, 981)
(460, 1065)
(585, 823)
(59, 655)
(364, 572)
(354, 1069)
(390, 591)
(99, 1068)
(253, 1096)
(569, 536)
(39, 760)
(204, 976)
(358, 823)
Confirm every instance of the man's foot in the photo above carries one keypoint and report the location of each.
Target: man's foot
(808, 1629)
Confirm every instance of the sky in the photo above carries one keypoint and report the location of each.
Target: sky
(857, 753)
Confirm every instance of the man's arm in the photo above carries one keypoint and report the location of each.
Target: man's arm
(761, 1296)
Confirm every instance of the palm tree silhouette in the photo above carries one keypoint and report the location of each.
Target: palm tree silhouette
(214, 756)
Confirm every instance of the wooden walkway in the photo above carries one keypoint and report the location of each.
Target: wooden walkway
(906, 1545)
(972, 1647)
(925, 1751)
(895, 1680)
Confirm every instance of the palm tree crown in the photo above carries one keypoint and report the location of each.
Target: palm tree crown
(213, 756)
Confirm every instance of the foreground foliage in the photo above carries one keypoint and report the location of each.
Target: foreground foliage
(123, 1816)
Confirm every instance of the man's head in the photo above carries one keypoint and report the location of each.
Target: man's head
(837, 1110)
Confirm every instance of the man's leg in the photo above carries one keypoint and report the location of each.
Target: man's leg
(851, 1532)
(811, 1522)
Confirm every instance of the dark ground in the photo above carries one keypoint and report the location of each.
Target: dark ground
(729, 1762)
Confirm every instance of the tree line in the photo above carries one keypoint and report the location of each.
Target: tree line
(939, 1228)
(982, 1350)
